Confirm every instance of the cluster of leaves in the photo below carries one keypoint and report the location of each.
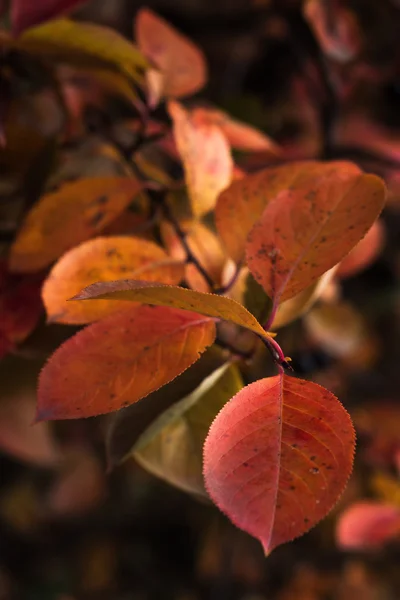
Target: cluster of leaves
(251, 252)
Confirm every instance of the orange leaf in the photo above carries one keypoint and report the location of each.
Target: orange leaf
(278, 456)
(239, 135)
(180, 61)
(241, 205)
(103, 259)
(160, 294)
(206, 158)
(120, 359)
(69, 216)
(368, 526)
(307, 229)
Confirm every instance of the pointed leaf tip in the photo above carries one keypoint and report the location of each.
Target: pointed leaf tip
(277, 458)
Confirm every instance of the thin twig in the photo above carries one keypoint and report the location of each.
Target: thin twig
(190, 257)
(228, 286)
(276, 352)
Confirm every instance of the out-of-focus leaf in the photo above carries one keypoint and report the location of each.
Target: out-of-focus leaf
(85, 45)
(378, 423)
(30, 124)
(144, 292)
(172, 447)
(338, 328)
(367, 526)
(20, 307)
(387, 488)
(278, 456)
(69, 216)
(119, 360)
(18, 438)
(25, 14)
(308, 229)
(85, 88)
(240, 135)
(91, 158)
(103, 259)
(206, 158)
(128, 424)
(298, 305)
(335, 27)
(79, 487)
(365, 253)
(181, 64)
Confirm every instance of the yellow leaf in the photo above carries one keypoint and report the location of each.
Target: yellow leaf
(159, 294)
(72, 214)
(84, 44)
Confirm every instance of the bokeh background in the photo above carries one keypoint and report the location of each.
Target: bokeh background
(70, 530)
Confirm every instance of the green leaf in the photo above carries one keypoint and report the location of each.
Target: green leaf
(172, 447)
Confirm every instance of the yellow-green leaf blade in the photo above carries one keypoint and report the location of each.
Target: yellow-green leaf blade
(84, 44)
(172, 447)
(145, 292)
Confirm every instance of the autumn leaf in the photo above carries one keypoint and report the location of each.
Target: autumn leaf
(181, 64)
(240, 135)
(336, 29)
(25, 14)
(307, 229)
(206, 158)
(84, 45)
(32, 445)
(211, 305)
(242, 204)
(120, 359)
(103, 259)
(364, 253)
(172, 447)
(277, 457)
(128, 424)
(341, 331)
(69, 216)
(295, 307)
(368, 526)
(20, 308)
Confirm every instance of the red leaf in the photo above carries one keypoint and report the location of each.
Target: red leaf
(20, 308)
(119, 360)
(307, 229)
(368, 526)
(278, 456)
(336, 29)
(181, 64)
(26, 13)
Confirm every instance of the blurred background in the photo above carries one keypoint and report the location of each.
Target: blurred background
(320, 87)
